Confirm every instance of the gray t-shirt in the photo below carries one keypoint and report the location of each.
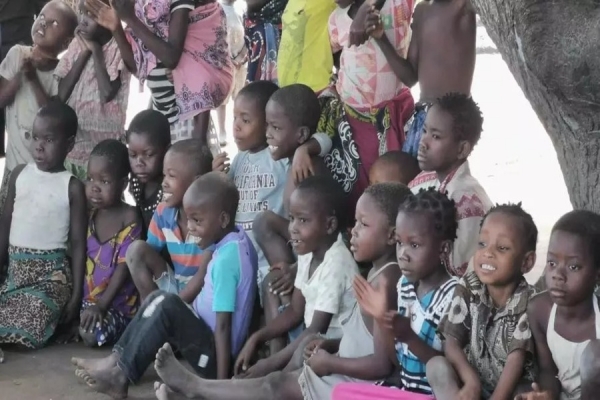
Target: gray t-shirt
(261, 183)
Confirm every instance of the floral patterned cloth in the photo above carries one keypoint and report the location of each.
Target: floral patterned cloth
(487, 333)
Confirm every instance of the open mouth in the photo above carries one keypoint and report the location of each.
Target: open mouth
(487, 267)
(273, 149)
(166, 196)
(40, 32)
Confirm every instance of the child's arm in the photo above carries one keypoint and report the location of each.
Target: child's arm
(11, 76)
(319, 145)
(67, 84)
(194, 286)
(30, 73)
(77, 236)
(108, 89)
(6, 218)
(8, 89)
(458, 359)
(223, 344)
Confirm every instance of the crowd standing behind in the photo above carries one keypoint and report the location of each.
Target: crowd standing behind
(345, 252)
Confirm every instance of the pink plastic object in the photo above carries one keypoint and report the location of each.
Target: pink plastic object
(362, 391)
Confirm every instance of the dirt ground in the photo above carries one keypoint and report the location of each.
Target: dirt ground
(514, 161)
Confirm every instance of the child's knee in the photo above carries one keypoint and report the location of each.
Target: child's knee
(88, 338)
(135, 253)
(439, 371)
(261, 227)
(590, 364)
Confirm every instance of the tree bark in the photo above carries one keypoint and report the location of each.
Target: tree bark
(552, 48)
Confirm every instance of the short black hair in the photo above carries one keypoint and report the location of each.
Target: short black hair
(71, 15)
(329, 195)
(151, 123)
(406, 164)
(528, 228)
(466, 114)
(259, 91)
(585, 224)
(218, 189)
(116, 154)
(61, 113)
(198, 155)
(439, 206)
(300, 104)
(388, 197)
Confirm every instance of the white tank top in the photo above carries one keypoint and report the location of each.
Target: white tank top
(567, 356)
(41, 213)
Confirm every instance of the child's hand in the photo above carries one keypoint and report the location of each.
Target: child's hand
(104, 15)
(283, 283)
(537, 394)
(399, 325)
(169, 74)
(319, 363)
(85, 44)
(373, 25)
(469, 392)
(302, 165)
(372, 301)
(29, 69)
(221, 162)
(91, 318)
(243, 361)
(71, 310)
(312, 348)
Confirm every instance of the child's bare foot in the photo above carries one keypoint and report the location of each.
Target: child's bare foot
(164, 393)
(110, 381)
(174, 374)
(96, 363)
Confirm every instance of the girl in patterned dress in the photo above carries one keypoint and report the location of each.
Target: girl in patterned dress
(110, 299)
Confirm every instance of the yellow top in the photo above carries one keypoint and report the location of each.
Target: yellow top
(305, 51)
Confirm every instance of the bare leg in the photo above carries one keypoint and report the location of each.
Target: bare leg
(590, 371)
(201, 124)
(442, 378)
(96, 363)
(271, 233)
(145, 265)
(221, 116)
(271, 304)
(297, 359)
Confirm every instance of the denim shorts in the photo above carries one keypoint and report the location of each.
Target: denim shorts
(169, 282)
(294, 333)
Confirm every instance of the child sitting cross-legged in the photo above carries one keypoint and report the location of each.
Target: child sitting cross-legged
(169, 229)
(488, 344)
(110, 299)
(394, 166)
(209, 333)
(407, 337)
(565, 320)
(328, 361)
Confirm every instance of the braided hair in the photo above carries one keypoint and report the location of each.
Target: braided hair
(439, 206)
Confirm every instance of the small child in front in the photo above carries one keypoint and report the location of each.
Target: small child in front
(394, 166)
(169, 229)
(45, 213)
(95, 83)
(27, 81)
(565, 320)
(488, 345)
(110, 299)
(208, 334)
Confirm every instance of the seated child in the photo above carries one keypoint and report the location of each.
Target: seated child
(565, 320)
(322, 297)
(44, 214)
(425, 228)
(27, 81)
(394, 166)
(452, 129)
(328, 361)
(109, 296)
(95, 83)
(169, 229)
(148, 138)
(211, 332)
(488, 344)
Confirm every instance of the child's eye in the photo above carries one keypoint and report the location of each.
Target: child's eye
(54, 23)
(415, 245)
(303, 220)
(502, 248)
(481, 245)
(551, 264)
(49, 140)
(105, 182)
(574, 267)
(436, 137)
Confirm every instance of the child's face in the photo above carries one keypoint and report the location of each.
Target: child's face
(177, 178)
(205, 221)
(87, 26)
(283, 136)
(418, 246)
(145, 158)
(249, 131)
(49, 145)
(372, 235)
(51, 29)
(102, 188)
(439, 149)
(500, 258)
(570, 271)
(309, 224)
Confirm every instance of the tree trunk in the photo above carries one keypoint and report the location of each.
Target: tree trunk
(552, 48)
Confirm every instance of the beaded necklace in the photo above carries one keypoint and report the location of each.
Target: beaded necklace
(137, 190)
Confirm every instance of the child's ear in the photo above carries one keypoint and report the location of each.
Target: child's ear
(224, 220)
(464, 149)
(528, 262)
(70, 144)
(445, 248)
(332, 224)
(303, 134)
(391, 240)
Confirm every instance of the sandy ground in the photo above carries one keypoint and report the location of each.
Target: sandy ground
(514, 154)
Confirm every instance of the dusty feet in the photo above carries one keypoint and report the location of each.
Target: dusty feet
(110, 381)
(164, 393)
(96, 363)
(174, 374)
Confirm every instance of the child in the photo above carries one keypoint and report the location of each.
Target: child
(211, 332)
(488, 345)
(180, 48)
(27, 81)
(95, 83)
(425, 228)
(328, 361)
(169, 229)
(565, 320)
(239, 57)
(45, 212)
(148, 139)
(441, 55)
(109, 296)
(394, 166)
(452, 129)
